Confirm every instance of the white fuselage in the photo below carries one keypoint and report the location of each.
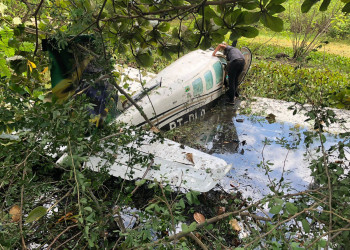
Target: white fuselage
(180, 92)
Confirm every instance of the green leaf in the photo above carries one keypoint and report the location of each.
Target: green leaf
(306, 226)
(271, 22)
(276, 2)
(189, 198)
(249, 31)
(144, 59)
(193, 226)
(36, 214)
(89, 209)
(275, 209)
(218, 21)
(346, 8)
(140, 182)
(251, 17)
(276, 9)
(307, 4)
(325, 5)
(235, 34)
(177, 2)
(291, 208)
(205, 43)
(164, 27)
(322, 243)
(209, 12)
(184, 227)
(249, 5)
(175, 33)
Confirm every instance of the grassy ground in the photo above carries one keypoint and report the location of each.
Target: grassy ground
(336, 48)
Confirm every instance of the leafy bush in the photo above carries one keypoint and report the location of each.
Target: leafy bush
(275, 80)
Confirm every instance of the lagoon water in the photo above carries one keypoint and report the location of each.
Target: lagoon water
(248, 141)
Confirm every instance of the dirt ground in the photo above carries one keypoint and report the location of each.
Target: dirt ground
(332, 48)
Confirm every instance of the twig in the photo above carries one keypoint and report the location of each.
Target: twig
(21, 212)
(36, 26)
(169, 208)
(143, 176)
(198, 241)
(71, 238)
(280, 223)
(133, 103)
(325, 234)
(56, 238)
(225, 215)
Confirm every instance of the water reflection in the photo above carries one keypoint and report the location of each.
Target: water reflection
(247, 141)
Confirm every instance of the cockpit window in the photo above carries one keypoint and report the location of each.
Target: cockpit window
(208, 76)
(218, 72)
(197, 87)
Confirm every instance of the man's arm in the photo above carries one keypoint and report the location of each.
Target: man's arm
(220, 46)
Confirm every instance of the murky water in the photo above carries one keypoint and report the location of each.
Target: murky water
(248, 141)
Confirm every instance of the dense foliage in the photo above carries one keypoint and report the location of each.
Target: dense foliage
(46, 203)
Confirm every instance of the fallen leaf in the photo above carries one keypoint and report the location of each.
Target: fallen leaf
(199, 217)
(15, 212)
(68, 216)
(221, 210)
(234, 225)
(189, 157)
(271, 118)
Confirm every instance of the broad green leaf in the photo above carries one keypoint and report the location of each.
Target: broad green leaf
(177, 2)
(217, 37)
(235, 34)
(251, 17)
(276, 9)
(36, 214)
(291, 208)
(346, 8)
(264, 2)
(306, 225)
(205, 43)
(144, 59)
(249, 5)
(272, 22)
(307, 4)
(218, 21)
(275, 209)
(248, 31)
(345, 1)
(209, 12)
(325, 5)
(164, 27)
(175, 33)
(276, 2)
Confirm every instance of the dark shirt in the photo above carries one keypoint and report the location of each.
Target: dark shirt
(232, 53)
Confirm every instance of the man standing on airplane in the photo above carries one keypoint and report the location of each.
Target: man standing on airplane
(235, 65)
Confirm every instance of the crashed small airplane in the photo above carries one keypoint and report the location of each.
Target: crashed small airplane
(181, 92)
(178, 94)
